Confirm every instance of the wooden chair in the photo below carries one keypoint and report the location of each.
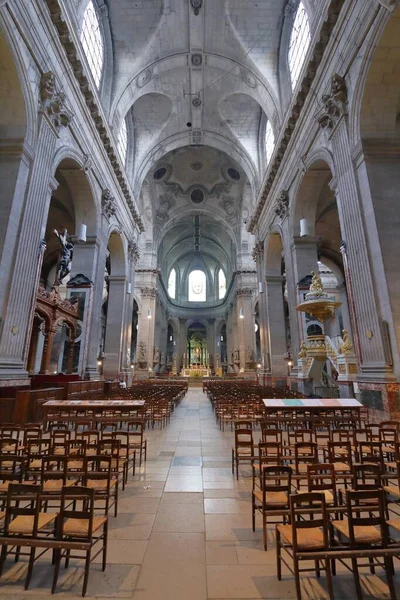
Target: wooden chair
(359, 532)
(307, 533)
(305, 453)
(243, 449)
(98, 477)
(80, 526)
(273, 497)
(322, 478)
(339, 454)
(137, 440)
(24, 523)
(54, 476)
(269, 453)
(12, 470)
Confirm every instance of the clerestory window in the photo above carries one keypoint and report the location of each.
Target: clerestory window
(122, 142)
(197, 287)
(221, 284)
(269, 141)
(92, 42)
(172, 284)
(299, 42)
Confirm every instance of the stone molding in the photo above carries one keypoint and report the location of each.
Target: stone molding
(148, 292)
(282, 205)
(53, 102)
(133, 252)
(108, 204)
(258, 252)
(334, 103)
(66, 39)
(244, 292)
(327, 27)
(389, 4)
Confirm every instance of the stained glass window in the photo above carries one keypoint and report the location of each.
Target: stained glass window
(221, 284)
(172, 284)
(269, 141)
(299, 43)
(92, 42)
(122, 142)
(197, 286)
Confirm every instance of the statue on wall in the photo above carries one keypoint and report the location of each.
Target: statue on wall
(316, 286)
(64, 264)
(249, 355)
(347, 346)
(303, 351)
(162, 361)
(236, 356)
(156, 356)
(142, 352)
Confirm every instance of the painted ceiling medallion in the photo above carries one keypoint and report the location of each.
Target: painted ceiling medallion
(196, 5)
(197, 60)
(196, 102)
(197, 166)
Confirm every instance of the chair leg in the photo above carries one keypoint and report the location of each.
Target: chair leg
(329, 579)
(297, 577)
(356, 576)
(105, 546)
(56, 570)
(233, 461)
(30, 567)
(265, 531)
(389, 576)
(278, 555)
(86, 577)
(3, 557)
(253, 509)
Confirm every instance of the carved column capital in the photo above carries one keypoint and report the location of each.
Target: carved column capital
(53, 102)
(133, 252)
(258, 252)
(148, 292)
(282, 205)
(334, 103)
(108, 204)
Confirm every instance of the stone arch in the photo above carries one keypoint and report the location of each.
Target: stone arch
(118, 260)
(273, 253)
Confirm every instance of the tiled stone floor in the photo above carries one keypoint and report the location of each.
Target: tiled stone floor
(184, 530)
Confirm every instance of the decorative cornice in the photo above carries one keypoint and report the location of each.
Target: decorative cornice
(148, 292)
(282, 205)
(108, 204)
(258, 252)
(78, 69)
(319, 48)
(334, 103)
(133, 252)
(52, 102)
(248, 292)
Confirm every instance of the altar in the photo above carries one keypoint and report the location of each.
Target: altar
(196, 372)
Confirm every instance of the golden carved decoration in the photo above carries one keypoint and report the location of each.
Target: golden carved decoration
(347, 346)
(316, 287)
(303, 351)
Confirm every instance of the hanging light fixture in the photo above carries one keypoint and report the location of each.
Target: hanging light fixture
(304, 229)
(149, 313)
(241, 314)
(81, 237)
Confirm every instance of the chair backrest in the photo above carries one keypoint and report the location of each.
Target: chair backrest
(75, 447)
(276, 478)
(389, 435)
(367, 477)
(389, 425)
(271, 435)
(373, 503)
(54, 467)
(308, 511)
(75, 496)
(12, 467)
(23, 500)
(269, 453)
(243, 424)
(321, 477)
(340, 452)
(244, 439)
(371, 452)
(305, 452)
(9, 445)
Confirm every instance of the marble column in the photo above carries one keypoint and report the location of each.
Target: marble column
(367, 321)
(146, 325)
(276, 324)
(17, 320)
(112, 366)
(259, 259)
(245, 325)
(182, 345)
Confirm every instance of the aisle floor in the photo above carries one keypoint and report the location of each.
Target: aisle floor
(184, 530)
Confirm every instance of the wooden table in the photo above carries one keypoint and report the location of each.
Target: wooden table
(310, 409)
(91, 410)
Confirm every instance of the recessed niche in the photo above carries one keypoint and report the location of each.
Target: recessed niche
(197, 196)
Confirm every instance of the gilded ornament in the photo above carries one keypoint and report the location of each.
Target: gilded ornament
(303, 351)
(347, 346)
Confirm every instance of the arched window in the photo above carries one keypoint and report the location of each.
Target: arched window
(221, 284)
(269, 141)
(197, 286)
(299, 42)
(122, 142)
(172, 284)
(92, 42)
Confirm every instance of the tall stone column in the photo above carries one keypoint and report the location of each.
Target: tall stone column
(366, 317)
(245, 326)
(182, 345)
(117, 305)
(258, 256)
(17, 315)
(230, 338)
(133, 257)
(146, 326)
(211, 342)
(276, 325)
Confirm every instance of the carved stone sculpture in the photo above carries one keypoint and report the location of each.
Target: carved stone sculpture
(53, 103)
(316, 286)
(282, 205)
(141, 352)
(347, 346)
(108, 204)
(156, 356)
(64, 264)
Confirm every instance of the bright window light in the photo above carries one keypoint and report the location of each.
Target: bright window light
(221, 284)
(299, 43)
(122, 143)
(172, 284)
(197, 286)
(269, 141)
(92, 42)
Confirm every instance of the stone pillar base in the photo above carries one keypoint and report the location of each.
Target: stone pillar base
(143, 374)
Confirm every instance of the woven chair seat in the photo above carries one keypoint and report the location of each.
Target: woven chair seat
(339, 466)
(329, 499)
(35, 464)
(393, 491)
(302, 468)
(243, 451)
(75, 464)
(80, 527)
(395, 523)
(56, 485)
(23, 524)
(307, 539)
(389, 449)
(363, 534)
(391, 465)
(272, 498)
(100, 484)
